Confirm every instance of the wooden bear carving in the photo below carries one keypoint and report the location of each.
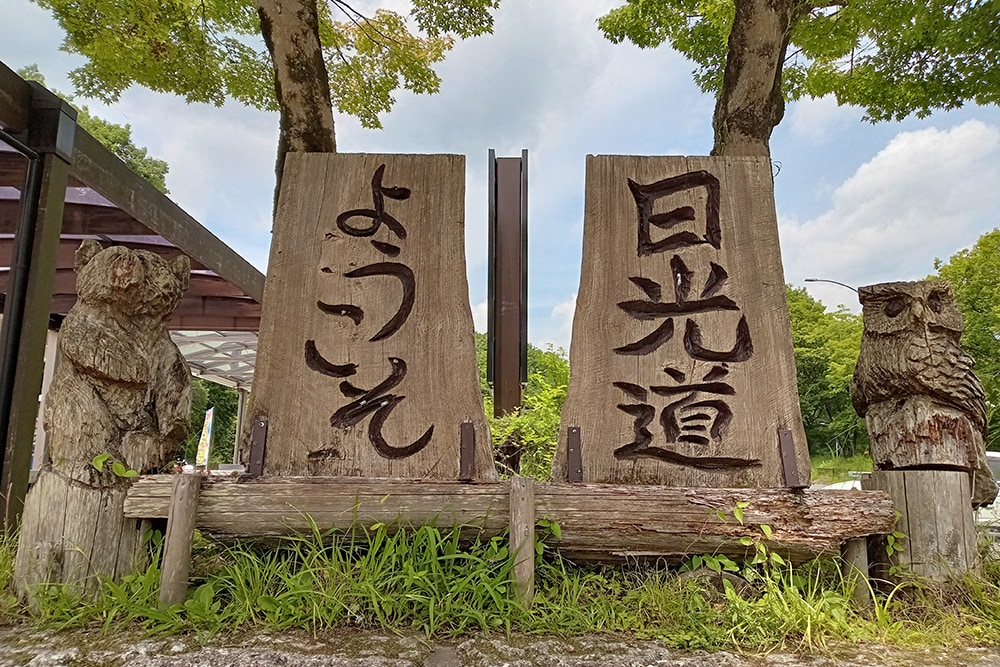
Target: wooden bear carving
(121, 386)
(923, 405)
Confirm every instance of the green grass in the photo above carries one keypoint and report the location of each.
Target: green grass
(833, 469)
(431, 582)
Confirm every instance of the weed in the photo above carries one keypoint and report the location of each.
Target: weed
(444, 583)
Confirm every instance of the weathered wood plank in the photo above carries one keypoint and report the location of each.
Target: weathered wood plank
(366, 294)
(598, 522)
(682, 366)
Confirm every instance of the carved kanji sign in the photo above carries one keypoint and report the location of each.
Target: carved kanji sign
(366, 363)
(681, 363)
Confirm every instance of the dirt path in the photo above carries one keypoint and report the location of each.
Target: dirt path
(22, 646)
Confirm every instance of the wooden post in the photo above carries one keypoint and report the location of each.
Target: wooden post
(855, 556)
(522, 536)
(177, 543)
(935, 515)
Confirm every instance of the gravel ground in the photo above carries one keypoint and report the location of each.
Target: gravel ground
(24, 646)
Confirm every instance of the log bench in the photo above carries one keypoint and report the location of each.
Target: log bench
(598, 522)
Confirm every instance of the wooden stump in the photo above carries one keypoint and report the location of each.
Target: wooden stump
(74, 534)
(936, 518)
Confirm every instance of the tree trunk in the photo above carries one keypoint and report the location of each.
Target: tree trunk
(301, 81)
(750, 104)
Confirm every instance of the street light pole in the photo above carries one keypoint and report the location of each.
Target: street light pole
(834, 282)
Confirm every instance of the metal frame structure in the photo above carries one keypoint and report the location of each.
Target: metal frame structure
(507, 311)
(59, 185)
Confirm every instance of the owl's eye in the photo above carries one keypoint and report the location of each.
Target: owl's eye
(935, 301)
(895, 306)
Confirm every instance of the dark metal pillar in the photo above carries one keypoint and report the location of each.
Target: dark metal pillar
(52, 125)
(507, 335)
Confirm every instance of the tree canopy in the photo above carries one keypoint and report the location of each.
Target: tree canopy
(116, 138)
(211, 51)
(893, 58)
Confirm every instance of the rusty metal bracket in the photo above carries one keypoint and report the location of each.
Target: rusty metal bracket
(574, 455)
(788, 462)
(258, 447)
(467, 462)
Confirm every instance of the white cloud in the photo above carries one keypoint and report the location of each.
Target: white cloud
(925, 195)
(817, 120)
(480, 316)
(558, 327)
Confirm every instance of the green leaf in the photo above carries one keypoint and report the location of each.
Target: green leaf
(766, 529)
(99, 461)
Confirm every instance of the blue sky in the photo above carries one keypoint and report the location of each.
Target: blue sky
(857, 203)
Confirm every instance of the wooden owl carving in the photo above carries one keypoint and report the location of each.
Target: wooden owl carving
(915, 386)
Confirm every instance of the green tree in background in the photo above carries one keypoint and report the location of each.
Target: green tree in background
(535, 429)
(205, 395)
(826, 346)
(116, 138)
(893, 58)
(974, 274)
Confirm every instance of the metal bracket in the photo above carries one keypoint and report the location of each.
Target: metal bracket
(467, 462)
(258, 447)
(788, 462)
(574, 455)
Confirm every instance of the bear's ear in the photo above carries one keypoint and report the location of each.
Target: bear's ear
(182, 269)
(86, 252)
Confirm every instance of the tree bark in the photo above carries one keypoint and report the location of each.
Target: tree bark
(750, 104)
(301, 82)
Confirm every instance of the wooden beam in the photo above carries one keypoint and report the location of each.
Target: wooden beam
(210, 288)
(230, 306)
(15, 101)
(218, 322)
(96, 166)
(68, 247)
(598, 522)
(222, 315)
(284, 505)
(80, 219)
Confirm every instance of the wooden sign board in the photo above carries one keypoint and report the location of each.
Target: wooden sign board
(366, 363)
(681, 364)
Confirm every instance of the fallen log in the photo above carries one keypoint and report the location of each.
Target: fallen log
(597, 522)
